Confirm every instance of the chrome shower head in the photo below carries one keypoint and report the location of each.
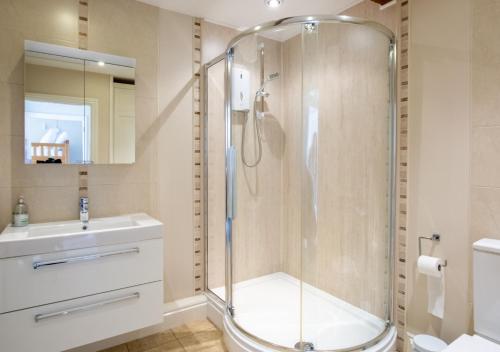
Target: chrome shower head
(261, 92)
(273, 76)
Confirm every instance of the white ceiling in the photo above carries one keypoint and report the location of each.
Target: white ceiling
(242, 14)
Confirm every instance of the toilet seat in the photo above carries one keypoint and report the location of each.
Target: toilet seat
(467, 343)
(428, 343)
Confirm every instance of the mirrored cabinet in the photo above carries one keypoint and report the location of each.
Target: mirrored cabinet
(79, 106)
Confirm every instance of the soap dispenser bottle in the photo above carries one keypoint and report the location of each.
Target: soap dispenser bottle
(20, 215)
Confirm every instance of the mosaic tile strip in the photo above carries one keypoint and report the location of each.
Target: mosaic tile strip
(83, 30)
(400, 286)
(197, 168)
(83, 23)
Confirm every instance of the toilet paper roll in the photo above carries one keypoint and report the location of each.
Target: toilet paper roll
(433, 268)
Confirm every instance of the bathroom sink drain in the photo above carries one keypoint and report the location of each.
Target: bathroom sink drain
(304, 346)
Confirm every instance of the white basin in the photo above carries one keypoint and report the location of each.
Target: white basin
(65, 235)
(76, 226)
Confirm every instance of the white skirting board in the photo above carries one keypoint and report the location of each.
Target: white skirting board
(215, 310)
(175, 313)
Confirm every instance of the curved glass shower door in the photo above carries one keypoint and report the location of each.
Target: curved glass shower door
(345, 170)
(309, 171)
(265, 304)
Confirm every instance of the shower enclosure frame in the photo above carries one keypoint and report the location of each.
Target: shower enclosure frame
(206, 67)
(228, 56)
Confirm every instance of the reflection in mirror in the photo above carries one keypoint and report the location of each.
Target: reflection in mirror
(79, 107)
(55, 115)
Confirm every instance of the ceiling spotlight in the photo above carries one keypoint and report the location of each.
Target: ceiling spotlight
(273, 3)
(100, 63)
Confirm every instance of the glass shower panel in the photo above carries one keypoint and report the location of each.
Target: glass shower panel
(308, 142)
(215, 211)
(265, 299)
(345, 177)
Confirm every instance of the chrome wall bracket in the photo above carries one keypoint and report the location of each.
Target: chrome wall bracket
(435, 238)
(304, 346)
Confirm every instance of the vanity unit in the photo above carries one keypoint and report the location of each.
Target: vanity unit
(62, 287)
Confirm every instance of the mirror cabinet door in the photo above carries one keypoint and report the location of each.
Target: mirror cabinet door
(110, 104)
(55, 119)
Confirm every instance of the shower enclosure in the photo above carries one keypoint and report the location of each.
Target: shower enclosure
(299, 138)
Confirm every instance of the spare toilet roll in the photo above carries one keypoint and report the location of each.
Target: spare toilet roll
(433, 268)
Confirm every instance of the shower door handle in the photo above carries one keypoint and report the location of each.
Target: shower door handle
(231, 183)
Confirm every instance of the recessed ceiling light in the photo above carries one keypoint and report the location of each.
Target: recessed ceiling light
(273, 3)
(101, 63)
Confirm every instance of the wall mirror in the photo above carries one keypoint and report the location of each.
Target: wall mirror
(79, 106)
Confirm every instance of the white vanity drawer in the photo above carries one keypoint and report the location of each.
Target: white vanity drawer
(31, 281)
(65, 325)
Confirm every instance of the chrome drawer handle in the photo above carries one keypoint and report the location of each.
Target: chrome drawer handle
(40, 317)
(83, 258)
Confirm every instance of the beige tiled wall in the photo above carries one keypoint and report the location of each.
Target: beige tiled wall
(173, 129)
(485, 120)
(215, 39)
(370, 10)
(453, 143)
(54, 22)
(439, 148)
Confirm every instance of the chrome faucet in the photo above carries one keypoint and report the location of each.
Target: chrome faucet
(84, 212)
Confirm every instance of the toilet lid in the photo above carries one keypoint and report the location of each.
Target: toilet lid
(428, 343)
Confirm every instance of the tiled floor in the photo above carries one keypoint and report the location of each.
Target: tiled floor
(197, 336)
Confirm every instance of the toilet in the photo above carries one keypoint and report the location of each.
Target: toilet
(486, 277)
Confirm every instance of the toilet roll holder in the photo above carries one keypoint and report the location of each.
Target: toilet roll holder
(435, 238)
